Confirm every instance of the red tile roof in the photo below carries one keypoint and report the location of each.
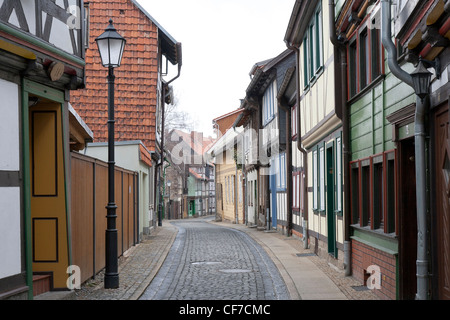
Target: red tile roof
(136, 78)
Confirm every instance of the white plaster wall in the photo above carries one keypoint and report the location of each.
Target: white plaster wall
(9, 127)
(10, 253)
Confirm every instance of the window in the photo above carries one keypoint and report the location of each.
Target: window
(240, 188)
(355, 192)
(269, 103)
(390, 214)
(374, 193)
(227, 187)
(319, 179)
(376, 53)
(313, 47)
(365, 58)
(352, 69)
(295, 190)
(232, 186)
(365, 193)
(378, 196)
(86, 24)
(322, 178)
(281, 175)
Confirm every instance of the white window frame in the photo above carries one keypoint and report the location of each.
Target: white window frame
(269, 103)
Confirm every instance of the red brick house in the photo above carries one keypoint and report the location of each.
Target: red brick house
(139, 85)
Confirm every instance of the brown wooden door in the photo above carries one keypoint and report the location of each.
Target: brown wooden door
(50, 247)
(443, 202)
(408, 220)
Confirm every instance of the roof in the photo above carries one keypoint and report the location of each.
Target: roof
(228, 114)
(226, 121)
(195, 140)
(226, 140)
(195, 174)
(168, 43)
(299, 21)
(80, 133)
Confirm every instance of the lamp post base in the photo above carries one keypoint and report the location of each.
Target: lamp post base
(112, 281)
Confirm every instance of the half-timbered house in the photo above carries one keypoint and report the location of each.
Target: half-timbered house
(318, 128)
(41, 62)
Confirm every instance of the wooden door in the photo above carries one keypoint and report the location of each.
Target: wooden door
(50, 250)
(408, 220)
(442, 158)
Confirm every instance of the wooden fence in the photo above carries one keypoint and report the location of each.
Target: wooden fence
(88, 212)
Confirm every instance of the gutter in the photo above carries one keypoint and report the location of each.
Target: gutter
(341, 48)
(420, 156)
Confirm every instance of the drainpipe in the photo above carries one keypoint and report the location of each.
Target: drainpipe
(286, 109)
(341, 48)
(421, 107)
(300, 147)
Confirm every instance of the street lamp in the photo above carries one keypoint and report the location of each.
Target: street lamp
(110, 45)
(169, 184)
(421, 80)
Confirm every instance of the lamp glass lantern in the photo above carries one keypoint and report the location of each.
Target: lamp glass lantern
(421, 78)
(110, 45)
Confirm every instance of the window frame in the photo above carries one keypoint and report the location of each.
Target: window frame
(319, 183)
(357, 59)
(313, 47)
(364, 214)
(281, 172)
(269, 103)
(322, 179)
(315, 158)
(355, 192)
(86, 24)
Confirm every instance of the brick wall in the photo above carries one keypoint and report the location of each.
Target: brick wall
(363, 256)
(136, 78)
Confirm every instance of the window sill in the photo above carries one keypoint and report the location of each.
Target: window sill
(378, 232)
(314, 79)
(369, 87)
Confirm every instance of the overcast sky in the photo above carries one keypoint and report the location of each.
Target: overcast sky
(221, 40)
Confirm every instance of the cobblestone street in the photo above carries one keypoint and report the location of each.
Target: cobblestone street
(199, 259)
(211, 262)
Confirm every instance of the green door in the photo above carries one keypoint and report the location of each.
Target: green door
(192, 207)
(331, 217)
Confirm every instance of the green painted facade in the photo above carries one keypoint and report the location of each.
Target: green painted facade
(370, 131)
(192, 186)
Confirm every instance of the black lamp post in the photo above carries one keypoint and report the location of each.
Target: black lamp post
(110, 45)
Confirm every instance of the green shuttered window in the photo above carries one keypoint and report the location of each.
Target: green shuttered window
(313, 48)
